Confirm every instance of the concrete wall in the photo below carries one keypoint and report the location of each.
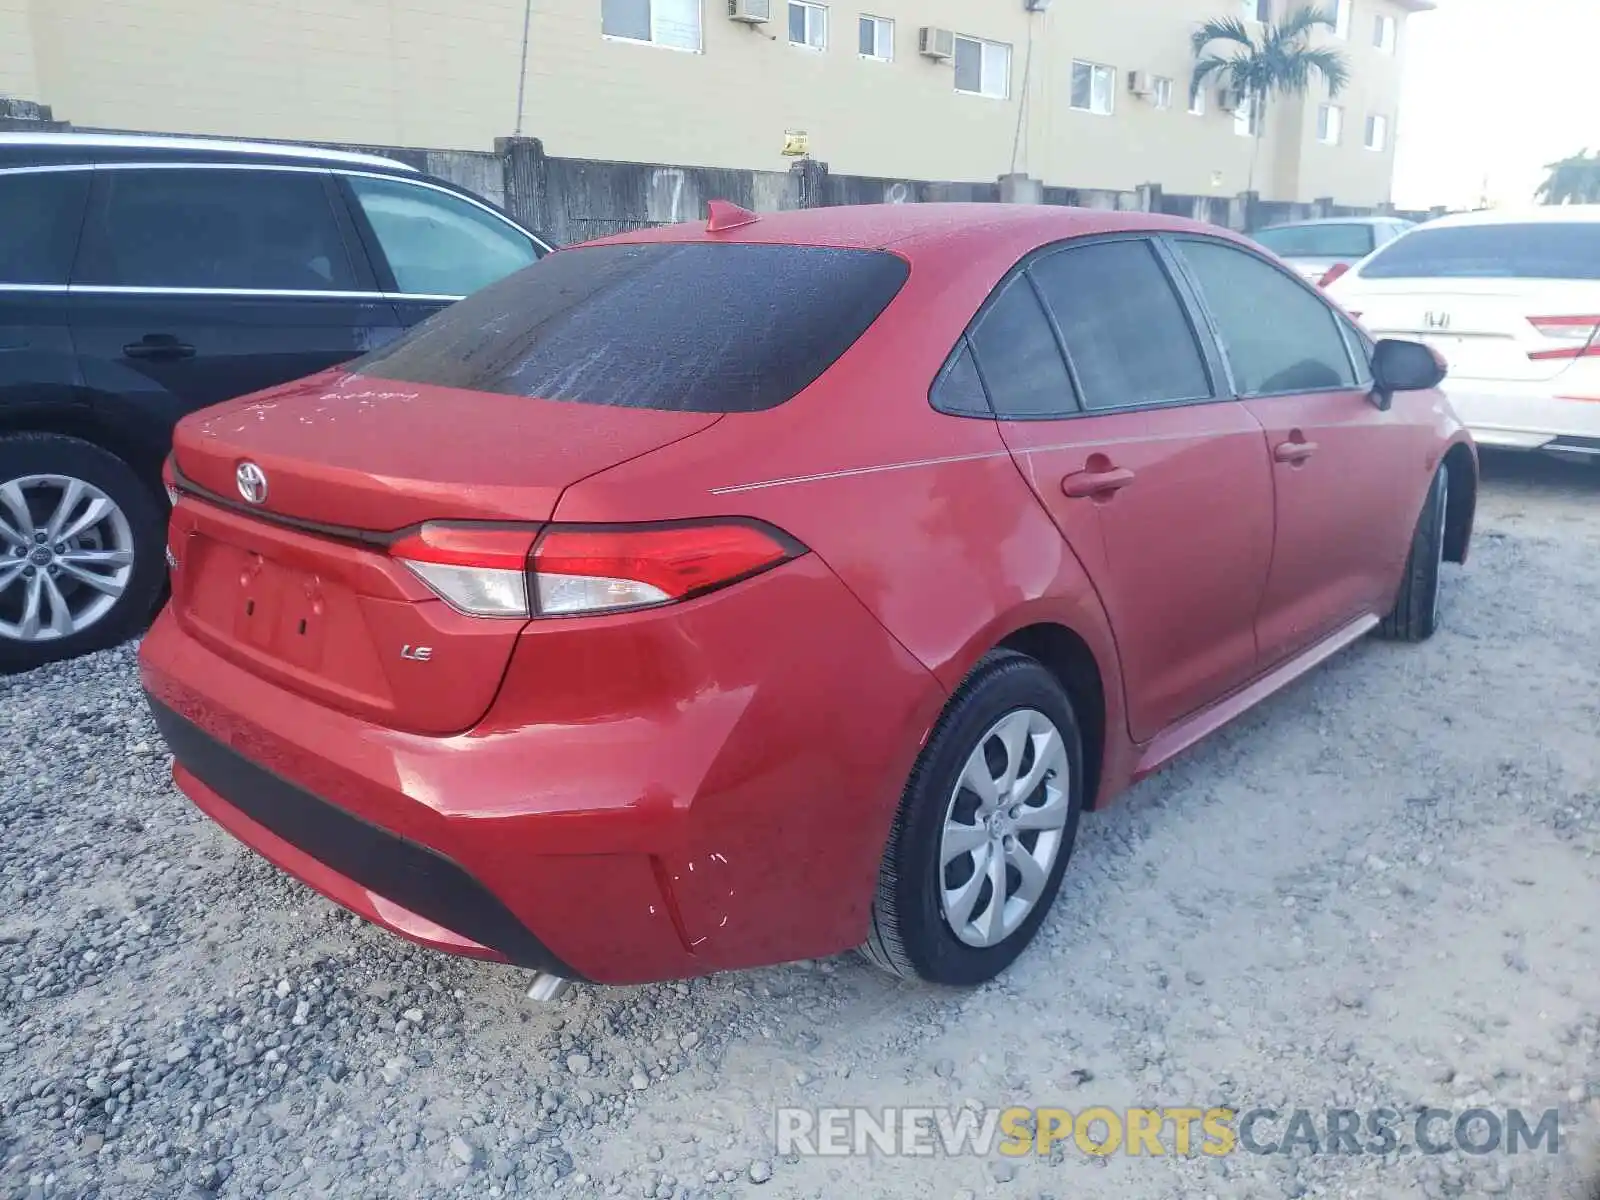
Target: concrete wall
(571, 200)
(446, 73)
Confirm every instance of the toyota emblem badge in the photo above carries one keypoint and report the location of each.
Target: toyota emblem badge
(252, 481)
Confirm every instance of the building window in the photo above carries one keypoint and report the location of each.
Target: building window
(877, 38)
(1163, 93)
(1384, 30)
(1255, 10)
(671, 23)
(1094, 88)
(808, 25)
(1197, 104)
(1245, 123)
(1341, 18)
(1377, 133)
(983, 68)
(1330, 124)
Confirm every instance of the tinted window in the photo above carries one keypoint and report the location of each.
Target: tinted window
(693, 326)
(1532, 251)
(214, 229)
(1126, 332)
(1318, 241)
(1361, 347)
(1279, 337)
(959, 390)
(1018, 357)
(41, 213)
(438, 244)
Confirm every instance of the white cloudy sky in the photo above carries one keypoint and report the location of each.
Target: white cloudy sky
(1495, 88)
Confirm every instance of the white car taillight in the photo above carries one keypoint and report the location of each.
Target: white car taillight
(498, 571)
(1574, 337)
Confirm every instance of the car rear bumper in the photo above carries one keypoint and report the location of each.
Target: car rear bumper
(1527, 416)
(653, 795)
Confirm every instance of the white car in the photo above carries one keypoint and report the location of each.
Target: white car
(1512, 301)
(1316, 248)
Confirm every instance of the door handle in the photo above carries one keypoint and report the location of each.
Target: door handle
(1096, 483)
(1293, 452)
(158, 346)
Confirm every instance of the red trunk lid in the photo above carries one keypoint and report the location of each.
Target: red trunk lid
(370, 454)
(330, 615)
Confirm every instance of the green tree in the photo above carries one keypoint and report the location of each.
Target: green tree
(1574, 180)
(1281, 62)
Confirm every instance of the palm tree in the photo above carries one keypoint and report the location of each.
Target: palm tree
(1574, 180)
(1282, 62)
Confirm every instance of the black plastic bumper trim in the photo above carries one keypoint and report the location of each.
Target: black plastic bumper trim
(410, 875)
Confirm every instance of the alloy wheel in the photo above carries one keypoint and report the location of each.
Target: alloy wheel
(1003, 828)
(66, 557)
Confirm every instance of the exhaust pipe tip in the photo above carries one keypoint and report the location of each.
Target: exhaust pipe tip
(547, 988)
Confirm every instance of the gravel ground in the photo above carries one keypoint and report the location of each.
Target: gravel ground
(1378, 889)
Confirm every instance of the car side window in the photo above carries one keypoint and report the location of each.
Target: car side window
(958, 390)
(1278, 335)
(1361, 348)
(1127, 335)
(214, 228)
(438, 244)
(41, 213)
(1019, 359)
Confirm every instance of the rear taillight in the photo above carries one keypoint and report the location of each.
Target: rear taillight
(568, 570)
(481, 570)
(1574, 337)
(1338, 270)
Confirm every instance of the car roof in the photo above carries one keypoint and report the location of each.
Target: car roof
(1559, 214)
(923, 227)
(1336, 221)
(48, 149)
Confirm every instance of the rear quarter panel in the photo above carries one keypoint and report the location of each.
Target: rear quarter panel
(924, 516)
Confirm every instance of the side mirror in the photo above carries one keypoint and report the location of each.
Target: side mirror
(1400, 366)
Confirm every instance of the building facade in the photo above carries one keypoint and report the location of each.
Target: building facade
(1092, 95)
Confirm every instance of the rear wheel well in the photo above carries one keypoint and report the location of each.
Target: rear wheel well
(82, 423)
(1463, 502)
(1068, 657)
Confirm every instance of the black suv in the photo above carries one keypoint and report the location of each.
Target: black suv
(144, 277)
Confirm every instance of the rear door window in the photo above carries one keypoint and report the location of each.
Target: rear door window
(1533, 250)
(1126, 332)
(1019, 358)
(1318, 241)
(690, 326)
(41, 213)
(958, 390)
(1279, 336)
(438, 244)
(214, 228)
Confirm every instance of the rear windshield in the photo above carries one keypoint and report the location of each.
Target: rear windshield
(1533, 251)
(695, 327)
(1317, 241)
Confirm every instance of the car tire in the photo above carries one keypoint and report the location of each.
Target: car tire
(1415, 615)
(924, 893)
(109, 574)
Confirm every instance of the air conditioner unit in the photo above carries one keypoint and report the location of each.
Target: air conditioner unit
(938, 44)
(1035, 6)
(751, 12)
(1230, 100)
(1141, 84)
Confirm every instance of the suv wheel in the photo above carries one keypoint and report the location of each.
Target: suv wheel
(81, 562)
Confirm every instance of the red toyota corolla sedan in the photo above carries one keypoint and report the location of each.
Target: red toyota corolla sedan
(747, 591)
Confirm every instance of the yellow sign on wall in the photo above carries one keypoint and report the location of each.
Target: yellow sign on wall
(796, 143)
